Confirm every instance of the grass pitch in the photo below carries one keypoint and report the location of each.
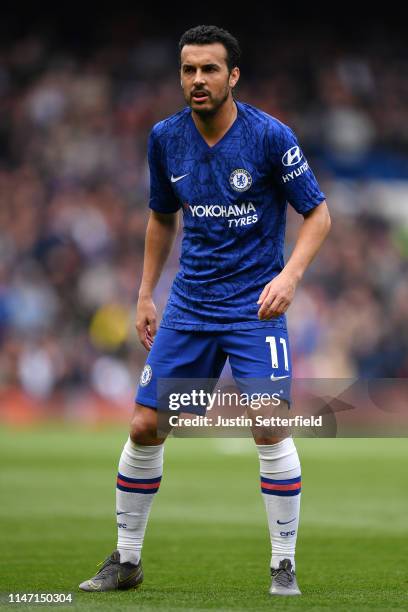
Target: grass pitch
(207, 545)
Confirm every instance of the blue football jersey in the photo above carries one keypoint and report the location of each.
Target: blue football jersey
(234, 197)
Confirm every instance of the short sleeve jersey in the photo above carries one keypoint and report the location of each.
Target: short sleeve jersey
(234, 197)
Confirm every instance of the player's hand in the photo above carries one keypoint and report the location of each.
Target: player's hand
(146, 321)
(276, 296)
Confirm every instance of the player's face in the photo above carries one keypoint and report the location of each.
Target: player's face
(206, 81)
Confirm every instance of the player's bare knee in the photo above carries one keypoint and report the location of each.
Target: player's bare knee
(143, 429)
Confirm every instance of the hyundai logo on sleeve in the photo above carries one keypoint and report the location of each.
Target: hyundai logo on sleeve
(292, 156)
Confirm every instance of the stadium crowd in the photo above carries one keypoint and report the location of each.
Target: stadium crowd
(73, 209)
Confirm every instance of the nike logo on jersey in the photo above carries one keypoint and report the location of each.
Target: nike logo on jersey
(286, 522)
(278, 377)
(174, 179)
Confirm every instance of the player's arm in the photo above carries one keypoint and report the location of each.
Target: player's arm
(160, 234)
(295, 178)
(279, 292)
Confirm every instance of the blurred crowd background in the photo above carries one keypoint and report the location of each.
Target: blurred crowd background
(77, 103)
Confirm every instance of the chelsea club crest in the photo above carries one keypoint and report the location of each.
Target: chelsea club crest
(146, 376)
(240, 180)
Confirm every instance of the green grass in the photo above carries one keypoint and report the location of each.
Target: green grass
(207, 545)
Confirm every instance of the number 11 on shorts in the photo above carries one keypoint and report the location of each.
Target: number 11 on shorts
(271, 340)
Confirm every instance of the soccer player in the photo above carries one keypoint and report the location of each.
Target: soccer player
(231, 169)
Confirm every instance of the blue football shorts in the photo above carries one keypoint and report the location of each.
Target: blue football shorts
(259, 359)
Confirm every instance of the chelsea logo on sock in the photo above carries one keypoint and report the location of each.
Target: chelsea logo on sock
(146, 375)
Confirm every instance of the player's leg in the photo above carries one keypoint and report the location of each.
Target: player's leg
(281, 485)
(138, 480)
(139, 476)
(256, 355)
(175, 354)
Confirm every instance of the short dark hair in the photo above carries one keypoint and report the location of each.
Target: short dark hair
(209, 34)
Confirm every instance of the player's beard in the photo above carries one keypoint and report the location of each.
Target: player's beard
(216, 103)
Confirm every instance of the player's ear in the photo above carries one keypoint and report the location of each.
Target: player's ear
(234, 76)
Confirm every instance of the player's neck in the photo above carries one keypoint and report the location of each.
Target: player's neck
(213, 127)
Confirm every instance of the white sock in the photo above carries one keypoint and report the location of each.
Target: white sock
(281, 486)
(140, 472)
